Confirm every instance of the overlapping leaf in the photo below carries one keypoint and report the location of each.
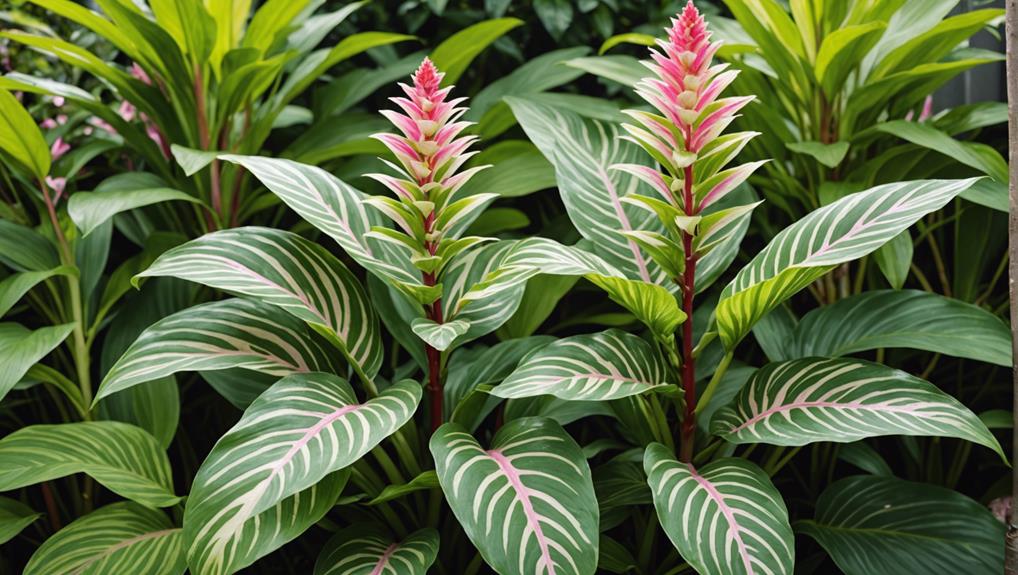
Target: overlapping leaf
(724, 518)
(21, 348)
(233, 333)
(527, 503)
(843, 400)
(902, 318)
(302, 429)
(120, 538)
(285, 270)
(885, 526)
(124, 458)
(602, 366)
(14, 516)
(363, 550)
(839, 232)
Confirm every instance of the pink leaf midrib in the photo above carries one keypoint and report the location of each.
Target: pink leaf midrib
(523, 495)
(729, 515)
(383, 561)
(826, 404)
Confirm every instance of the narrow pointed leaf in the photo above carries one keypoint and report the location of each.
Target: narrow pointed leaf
(527, 503)
(20, 138)
(15, 286)
(300, 430)
(362, 550)
(902, 319)
(89, 210)
(845, 230)
(285, 270)
(602, 366)
(14, 516)
(124, 458)
(724, 518)
(221, 335)
(120, 538)
(873, 525)
(455, 53)
(21, 348)
(842, 400)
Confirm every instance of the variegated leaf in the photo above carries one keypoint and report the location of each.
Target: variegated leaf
(299, 431)
(873, 525)
(285, 270)
(439, 335)
(120, 538)
(221, 335)
(368, 550)
(582, 151)
(14, 516)
(845, 230)
(602, 366)
(724, 518)
(338, 210)
(481, 289)
(122, 457)
(527, 503)
(815, 399)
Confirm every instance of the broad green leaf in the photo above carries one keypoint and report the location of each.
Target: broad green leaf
(89, 210)
(829, 155)
(895, 259)
(190, 160)
(14, 516)
(285, 270)
(861, 455)
(555, 15)
(24, 249)
(189, 23)
(21, 348)
(845, 230)
(842, 51)
(370, 550)
(482, 290)
(15, 286)
(973, 154)
(455, 53)
(425, 481)
(119, 538)
(527, 503)
(725, 517)
(885, 526)
(230, 17)
(614, 557)
(988, 193)
(439, 336)
(518, 169)
(124, 458)
(902, 319)
(299, 431)
(625, 70)
(582, 152)
(221, 335)
(338, 210)
(602, 366)
(842, 400)
(20, 138)
(540, 299)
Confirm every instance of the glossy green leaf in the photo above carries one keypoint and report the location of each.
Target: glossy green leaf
(425, 481)
(885, 526)
(299, 431)
(895, 259)
(21, 348)
(527, 503)
(842, 51)
(20, 138)
(602, 366)
(842, 400)
(89, 210)
(15, 286)
(973, 154)
(902, 319)
(829, 155)
(287, 271)
(14, 516)
(725, 517)
(233, 333)
(362, 549)
(439, 336)
(119, 538)
(455, 53)
(517, 169)
(845, 230)
(24, 249)
(124, 458)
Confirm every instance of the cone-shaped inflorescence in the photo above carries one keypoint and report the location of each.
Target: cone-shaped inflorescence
(430, 153)
(684, 136)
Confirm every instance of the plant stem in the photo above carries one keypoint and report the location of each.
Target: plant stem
(204, 140)
(715, 379)
(688, 361)
(1010, 38)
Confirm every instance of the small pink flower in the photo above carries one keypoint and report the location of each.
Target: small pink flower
(58, 101)
(140, 74)
(49, 123)
(59, 148)
(127, 111)
(57, 185)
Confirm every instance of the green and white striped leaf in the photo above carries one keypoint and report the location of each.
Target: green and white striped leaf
(13, 287)
(582, 151)
(843, 400)
(120, 538)
(122, 457)
(14, 516)
(439, 336)
(845, 230)
(885, 526)
(285, 270)
(602, 366)
(299, 431)
(527, 503)
(724, 518)
(233, 333)
(338, 210)
(369, 550)
(21, 348)
(902, 319)
(482, 289)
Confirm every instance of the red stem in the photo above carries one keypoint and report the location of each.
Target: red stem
(51, 507)
(205, 141)
(434, 312)
(688, 362)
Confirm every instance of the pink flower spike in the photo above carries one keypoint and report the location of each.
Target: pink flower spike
(927, 110)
